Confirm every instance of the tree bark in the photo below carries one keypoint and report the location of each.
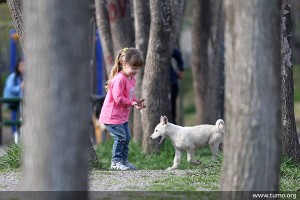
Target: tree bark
(15, 8)
(290, 142)
(177, 14)
(252, 98)
(57, 97)
(156, 76)
(121, 24)
(200, 37)
(214, 108)
(105, 34)
(142, 27)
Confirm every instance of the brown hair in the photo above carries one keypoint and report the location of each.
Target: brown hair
(130, 55)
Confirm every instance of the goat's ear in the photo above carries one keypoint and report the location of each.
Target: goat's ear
(165, 120)
(161, 119)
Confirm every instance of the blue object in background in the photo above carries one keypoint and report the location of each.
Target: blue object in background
(99, 66)
(13, 51)
(13, 62)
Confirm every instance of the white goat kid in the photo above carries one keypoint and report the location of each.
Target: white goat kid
(189, 138)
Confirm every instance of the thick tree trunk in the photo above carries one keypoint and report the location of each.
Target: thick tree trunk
(200, 36)
(57, 96)
(155, 87)
(290, 142)
(105, 34)
(252, 98)
(142, 27)
(15, 8)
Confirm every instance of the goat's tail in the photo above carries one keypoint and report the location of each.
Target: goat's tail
(220, 125)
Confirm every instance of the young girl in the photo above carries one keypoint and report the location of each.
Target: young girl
(118, 102)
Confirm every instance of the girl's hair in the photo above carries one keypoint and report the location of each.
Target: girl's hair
(17, 71)
(130, 55)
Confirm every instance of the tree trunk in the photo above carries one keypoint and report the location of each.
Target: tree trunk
(155, 88)
(15, 8)
(56, 138)
(122, 29)
(177, 14)
(290, 143)
(178, 7)
(105, 34)
(200, 36)
(121, 24)
(252, 98)
(214, 108)
(142, 27)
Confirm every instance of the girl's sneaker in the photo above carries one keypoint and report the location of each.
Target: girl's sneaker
(119, 166)
(130, 165)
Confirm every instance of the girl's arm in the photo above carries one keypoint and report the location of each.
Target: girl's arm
(117, 90)
(11, 88)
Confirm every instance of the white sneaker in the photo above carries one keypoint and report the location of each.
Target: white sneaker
(130, 165)
(118, 166)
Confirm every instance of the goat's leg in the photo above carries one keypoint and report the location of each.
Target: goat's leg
(177, 159)
(190, 157)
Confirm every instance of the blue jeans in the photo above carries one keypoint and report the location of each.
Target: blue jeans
(121, 134)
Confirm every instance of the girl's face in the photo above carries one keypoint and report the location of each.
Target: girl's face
(21, 67)
(131, 71)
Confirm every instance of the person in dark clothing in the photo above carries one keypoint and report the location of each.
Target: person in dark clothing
(176, 72)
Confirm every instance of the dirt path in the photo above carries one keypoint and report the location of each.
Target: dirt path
(141, 180)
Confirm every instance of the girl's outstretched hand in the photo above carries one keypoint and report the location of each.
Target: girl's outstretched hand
(139, 104)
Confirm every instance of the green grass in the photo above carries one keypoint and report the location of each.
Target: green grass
(155, 161)
(12, 158)
(205, 177)
(289, 175)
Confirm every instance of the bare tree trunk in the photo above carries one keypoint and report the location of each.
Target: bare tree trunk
(105, 34)
(290, 143)
(200, 36)
(142, 27)
(156, 76)
(252, 98)
(121, 24)
(214, 108)
(15, 8)
(57, 96)
(178, 7)
(177, 14)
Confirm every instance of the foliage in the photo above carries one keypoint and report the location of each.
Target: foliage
(289, 175)
(12, 157)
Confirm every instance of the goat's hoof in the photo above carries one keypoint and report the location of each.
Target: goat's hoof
(197, 162)
(171, 168)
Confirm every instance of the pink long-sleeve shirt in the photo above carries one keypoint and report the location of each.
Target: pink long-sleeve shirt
(118, 101)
